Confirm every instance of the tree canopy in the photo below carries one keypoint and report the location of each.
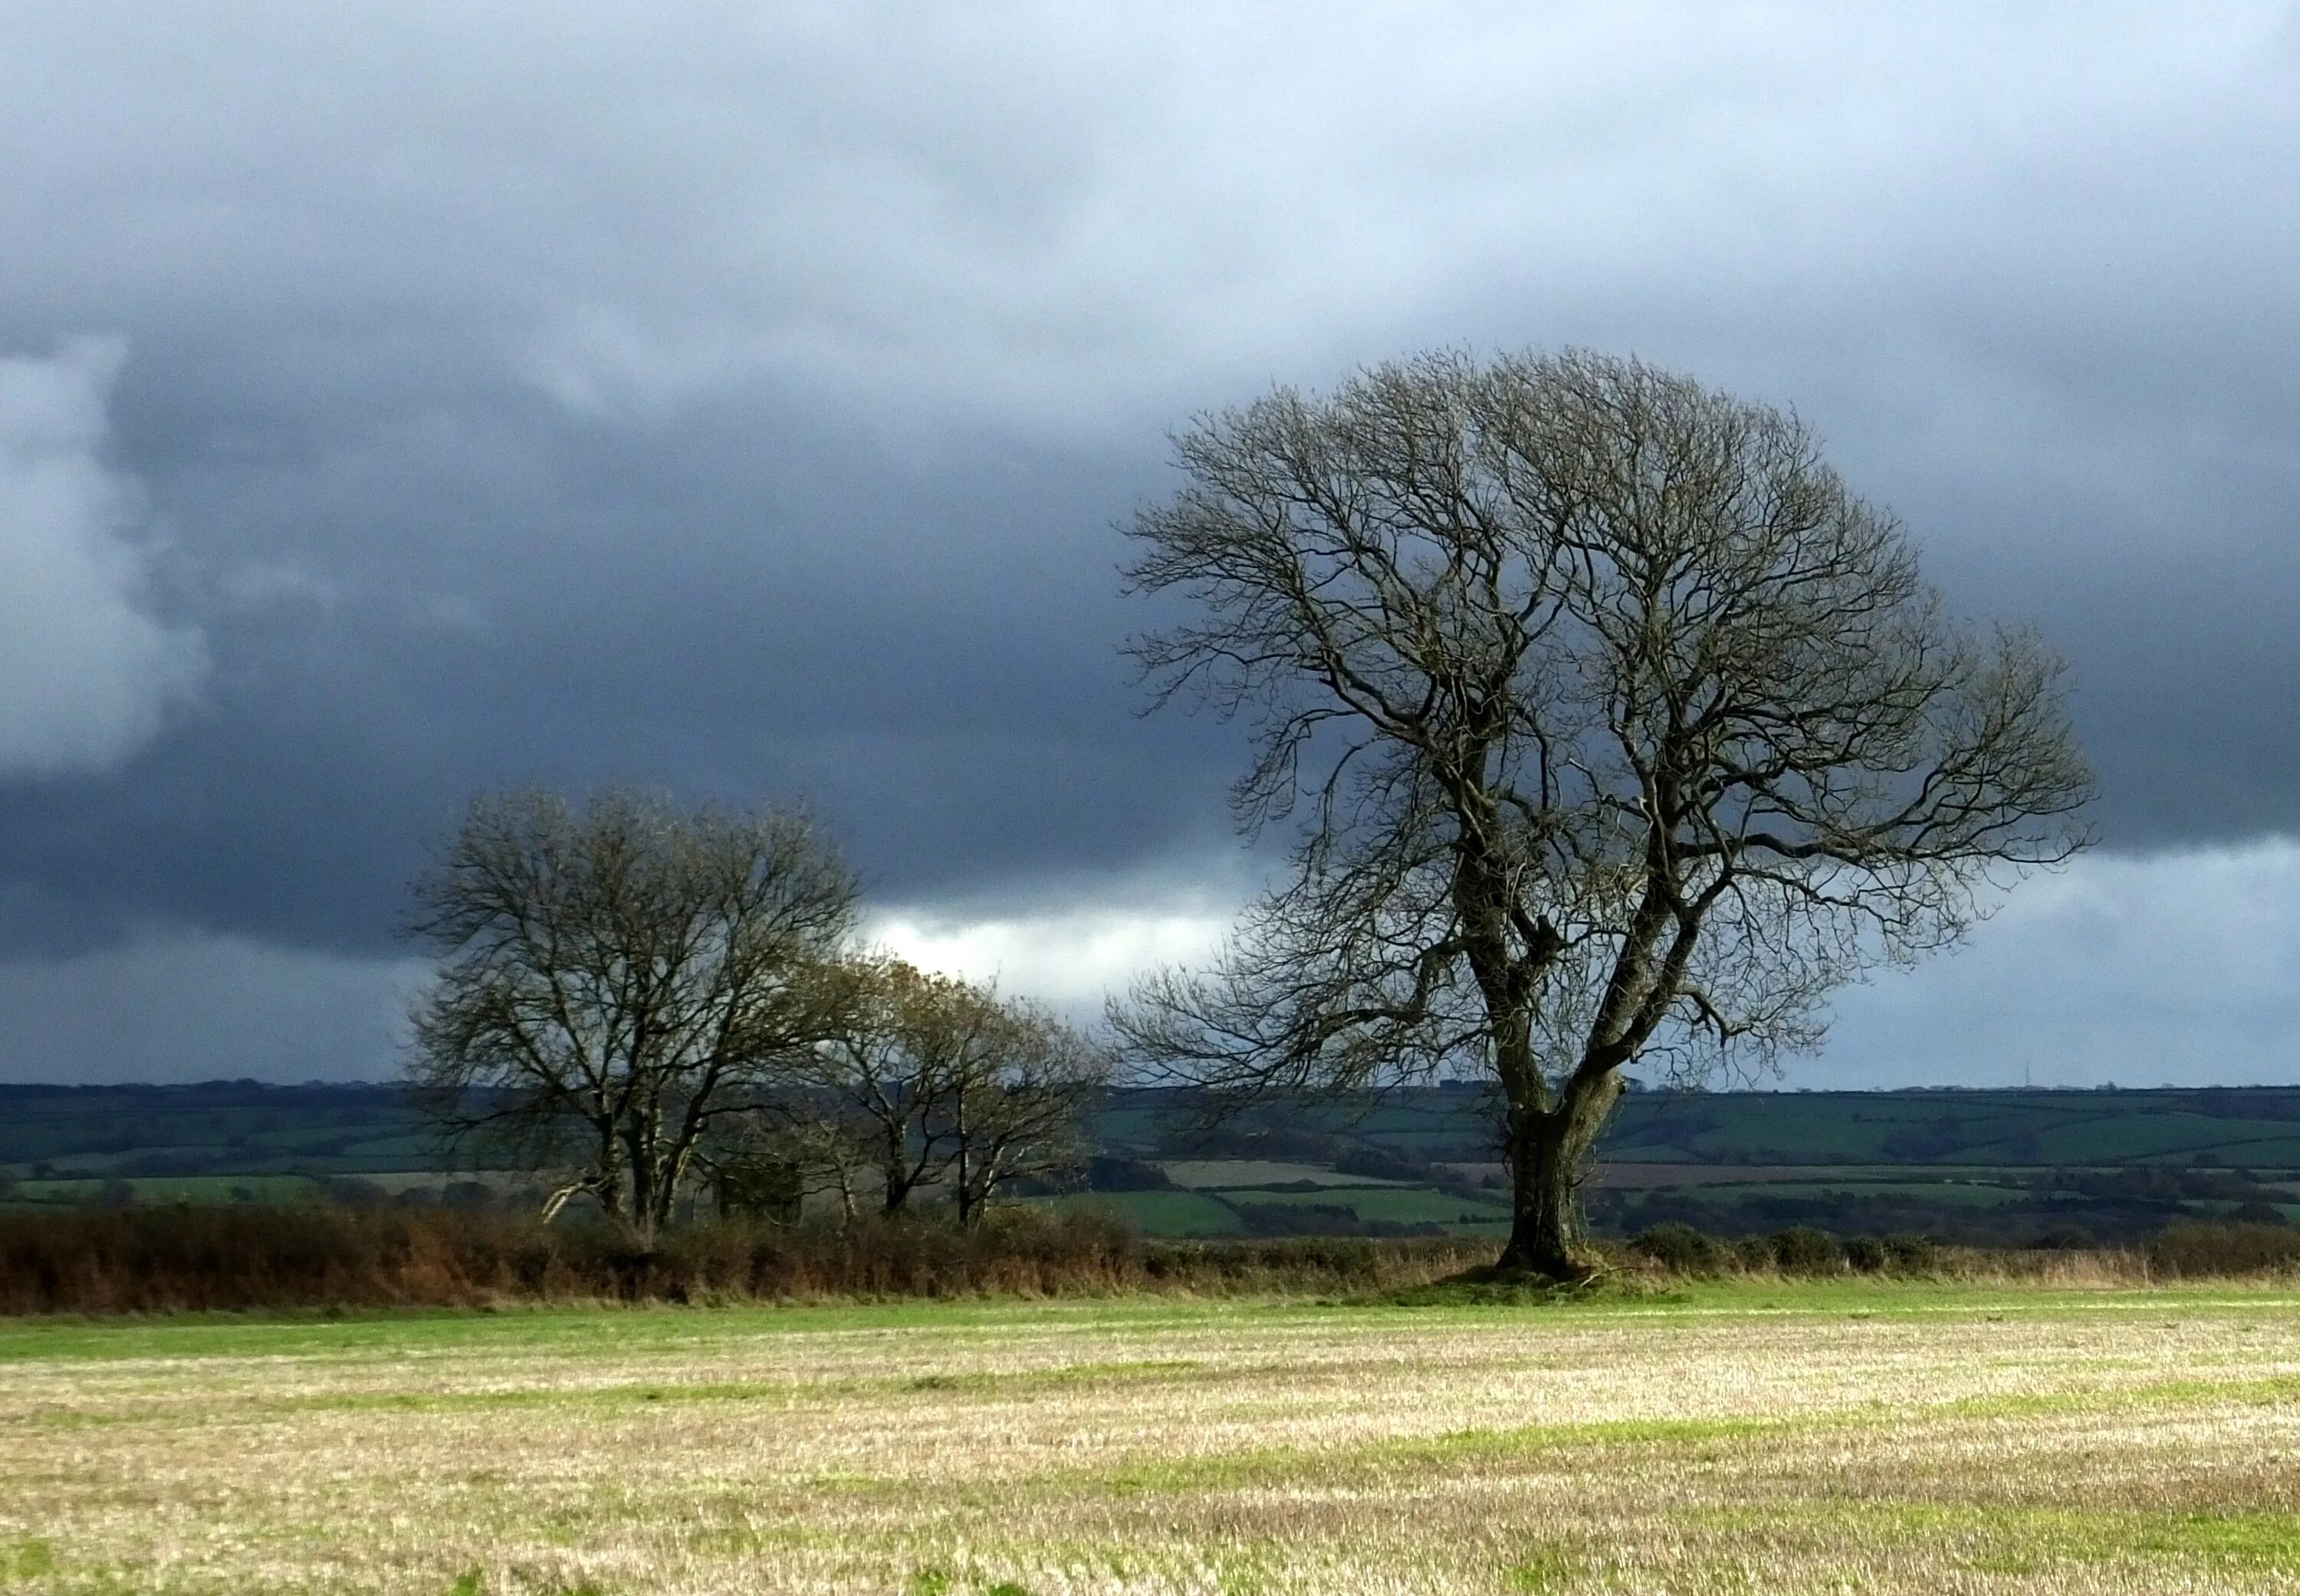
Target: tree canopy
(1613, 723)
(619, 980)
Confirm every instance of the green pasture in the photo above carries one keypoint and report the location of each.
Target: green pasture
(1165, 1213)
(173, 1188)
(1401, 1205)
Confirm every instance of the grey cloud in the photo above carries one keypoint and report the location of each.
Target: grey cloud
(2179, 969)
(744, 401)
(202, 1007)
(87, 670)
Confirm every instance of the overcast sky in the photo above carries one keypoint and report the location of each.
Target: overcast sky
(400, 401)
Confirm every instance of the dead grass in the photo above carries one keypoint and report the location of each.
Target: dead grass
(285, 1257)
(1757, 1436)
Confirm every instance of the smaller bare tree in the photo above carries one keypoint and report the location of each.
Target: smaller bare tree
(1020, 1091)
(879, 1079)
(771, 1165)
(947, 1085)
(617, 981)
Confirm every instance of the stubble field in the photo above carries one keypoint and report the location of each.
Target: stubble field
(1751, 1437)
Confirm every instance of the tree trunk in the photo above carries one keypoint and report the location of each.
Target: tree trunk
(1548, 1150)
(893, 1187)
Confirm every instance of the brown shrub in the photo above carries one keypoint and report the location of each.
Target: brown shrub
(154, 1259)
(2186, 1251)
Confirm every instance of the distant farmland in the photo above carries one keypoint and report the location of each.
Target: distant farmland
(2012, 1165)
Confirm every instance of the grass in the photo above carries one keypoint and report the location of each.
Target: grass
(175, 1188)
(1398, 1205)
(1164, 1213)
(1219, 1212)
(1961, 1193)
(1746, 1436)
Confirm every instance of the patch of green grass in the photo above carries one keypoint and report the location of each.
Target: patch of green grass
(176, 1188)
(1957, 1192)
(2020, 1540)
(1235, 1174)
(27, 1559)
(1689, 1442)
(1164, 1213)
(582, 1332)
(1397, 1205)
(1483, 1288)
(1271, 1467)
(550, 1329)
(1548, 1566)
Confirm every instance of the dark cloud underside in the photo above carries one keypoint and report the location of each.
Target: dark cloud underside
(746, 403)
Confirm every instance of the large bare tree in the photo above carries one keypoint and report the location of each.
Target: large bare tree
(616, 980)
(1613, 723)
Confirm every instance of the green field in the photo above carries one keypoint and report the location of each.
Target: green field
(1756, 1437)
(1167, 1213)
(1396, 1206)
(175, 1188)
(1229, 1212)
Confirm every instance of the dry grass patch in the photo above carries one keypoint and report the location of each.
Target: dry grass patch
(1766, 1439)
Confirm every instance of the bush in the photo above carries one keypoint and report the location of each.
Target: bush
(1866, 1254)
(1110, 1172)
(149, 1259)
(1309, 1263)
(1802, 1250)
(1381, 1163)
(346, 1191)
(2207, 1249)
(1679, 1249)
(1909, 1253)
(1298, 1219)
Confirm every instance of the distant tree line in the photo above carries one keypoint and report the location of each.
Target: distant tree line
(663, 1006)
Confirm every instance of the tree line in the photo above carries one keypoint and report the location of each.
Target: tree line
(663, 1004)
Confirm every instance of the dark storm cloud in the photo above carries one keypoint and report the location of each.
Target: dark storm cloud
(925, 658)
(744, 401)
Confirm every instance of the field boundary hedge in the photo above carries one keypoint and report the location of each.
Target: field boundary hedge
(156, 1259)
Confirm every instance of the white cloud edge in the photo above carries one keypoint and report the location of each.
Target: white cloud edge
(88, 674)
(2178, 968)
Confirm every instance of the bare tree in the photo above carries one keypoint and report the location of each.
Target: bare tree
(618, 979)
(947, 1084)
(770, 1163)
(879, 1080)
(1021, 1086)
(1614, 724)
